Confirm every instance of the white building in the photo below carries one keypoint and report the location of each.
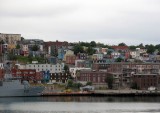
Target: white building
(52, 68)
(24, 47)
(115, 54)
(10, 38)
(78, 61)
(74, 70)
(134, 54)
(97, 56)
(1, 66)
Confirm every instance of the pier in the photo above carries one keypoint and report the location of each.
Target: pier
(105, 93)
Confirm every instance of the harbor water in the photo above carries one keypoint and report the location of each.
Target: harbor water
(84, 104)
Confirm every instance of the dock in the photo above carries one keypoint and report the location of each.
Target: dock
(105, 93)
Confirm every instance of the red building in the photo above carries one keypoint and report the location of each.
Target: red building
(55, 45)
(100, 66)
(39, 76)
(144, 81)
(70, 59)
(96, 77)
(29, 74)
(1, 74)
(127, 55)
(82, 56)
(121, 48)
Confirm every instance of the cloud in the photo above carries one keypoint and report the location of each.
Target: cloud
(107, 21)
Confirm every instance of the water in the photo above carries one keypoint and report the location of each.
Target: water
(80, 105)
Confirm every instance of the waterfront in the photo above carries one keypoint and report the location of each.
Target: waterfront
(80, 105)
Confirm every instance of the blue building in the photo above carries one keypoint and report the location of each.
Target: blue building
(61, 53)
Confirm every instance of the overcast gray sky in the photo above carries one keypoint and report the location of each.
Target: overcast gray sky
(107, 21)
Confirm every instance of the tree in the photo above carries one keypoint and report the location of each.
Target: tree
(90, 50)
(122, 44)
(69, 83)
(12, 57)
(132, 47)
(89, 83)
(140, 45)
(93, 44)
(134, 85)
(109, 52)
(54, 51)
(150, 49)
(77, 85)
(1, 42)
(66, 68)
(119, 59)
(78, 49)
(157, 47)
(22, 38)
(84, 44)
(109, 80)
(17, 46)
(35, 48)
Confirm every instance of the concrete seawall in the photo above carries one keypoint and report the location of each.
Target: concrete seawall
(105, 93)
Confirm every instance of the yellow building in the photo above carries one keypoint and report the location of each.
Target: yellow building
(68, 53)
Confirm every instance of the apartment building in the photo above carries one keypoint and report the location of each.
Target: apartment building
(128, 70)
(59, 77)
(52, 68)
(10, 38)
(96, 77)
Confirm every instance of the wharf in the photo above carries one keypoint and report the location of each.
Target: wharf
(105, 93)
(67, 94)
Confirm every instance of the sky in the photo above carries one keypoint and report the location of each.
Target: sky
(106, 21)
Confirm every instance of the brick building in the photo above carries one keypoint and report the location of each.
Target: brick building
(100, 66)
(144, 81)
(1, 74)
(127, 70)
(28, 74)
(82, 56)
(121, 48)
(59, 77)
(70, 59)
(80, 63)
(53, 46)
(96, 77)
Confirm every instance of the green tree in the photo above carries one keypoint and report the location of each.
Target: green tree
(66, 68)
(22, 38)
(157, 47)
(84, 44)
(35, 48)
(18, 46)
(119, 59)
(54, 51)
(76, 85)
(93, 44)
(150, 49)
(69, 83)
(132, 47)
(78, 49)
(122, 44)
(1, 42)
(109, 80)
(89, 83)
(12, 57)
(141, 45)
(91, 51)
(109, 52)
(134, 85)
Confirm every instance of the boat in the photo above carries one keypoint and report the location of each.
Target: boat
(17, 86)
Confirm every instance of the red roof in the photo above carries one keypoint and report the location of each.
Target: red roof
(120, 47)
